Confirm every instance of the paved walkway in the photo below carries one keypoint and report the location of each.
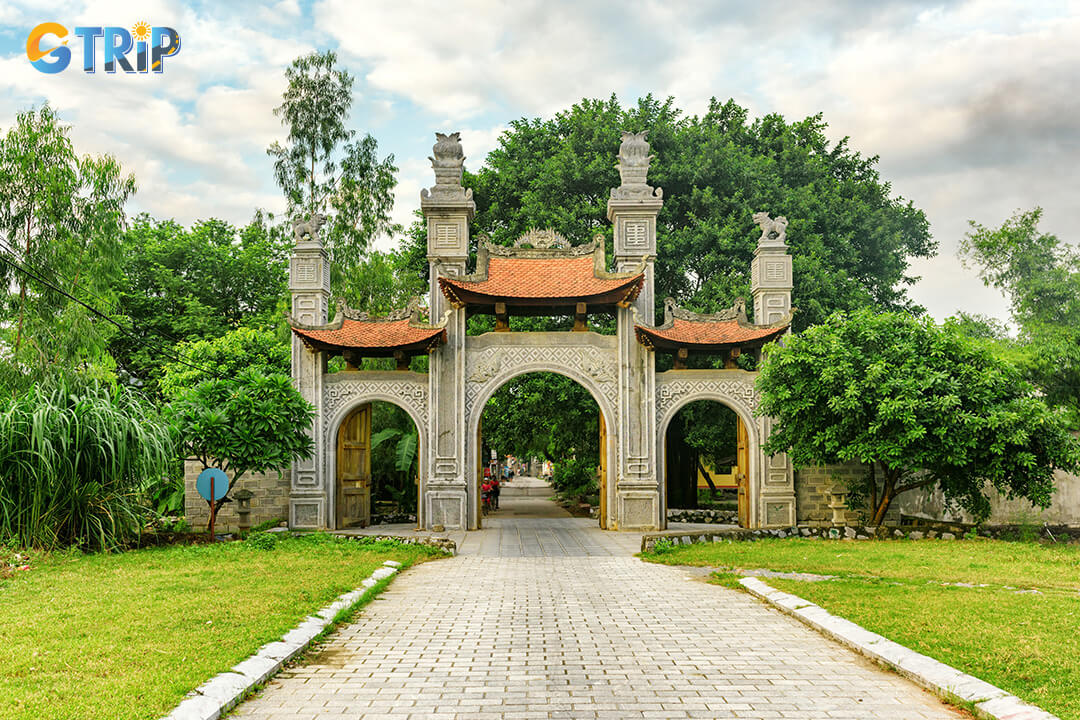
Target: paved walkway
(551, 618)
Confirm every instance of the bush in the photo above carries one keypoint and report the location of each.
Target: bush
(574, 478)
(262, 540)
(75, 457)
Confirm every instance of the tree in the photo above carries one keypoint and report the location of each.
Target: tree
(921, 405)
(1040, 274)
(226, 356)
(851, 239)
(188, 284)
(543, 415)
(248, 422)
(61, 218)
(324, 169)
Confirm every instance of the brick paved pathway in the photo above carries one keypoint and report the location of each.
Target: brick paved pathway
(550, 618)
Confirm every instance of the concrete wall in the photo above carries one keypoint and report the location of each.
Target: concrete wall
(271, 498)
(1064, 508)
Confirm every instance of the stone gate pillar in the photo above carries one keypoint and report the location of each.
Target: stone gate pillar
(309, 285)
(448, 208)
(632, 209)
(770, 271)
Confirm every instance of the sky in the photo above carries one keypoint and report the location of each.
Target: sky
(972, 107)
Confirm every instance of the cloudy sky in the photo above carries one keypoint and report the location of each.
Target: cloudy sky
(972, 106)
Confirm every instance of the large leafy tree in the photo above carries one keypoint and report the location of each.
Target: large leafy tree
(190, 284)
(250, 422)
(1040, 274)
(61, 217)
(920, 405)
(851, 238)
(325, 168)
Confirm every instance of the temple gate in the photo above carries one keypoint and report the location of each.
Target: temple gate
(541, 274)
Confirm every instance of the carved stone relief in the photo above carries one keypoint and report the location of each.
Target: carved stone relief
(589, 362)
(411, 393)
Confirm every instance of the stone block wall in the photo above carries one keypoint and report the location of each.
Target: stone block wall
(812, 486)
(271, 498)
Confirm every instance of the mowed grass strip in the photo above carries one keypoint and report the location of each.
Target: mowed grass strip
(128, 635)
(1022, 641)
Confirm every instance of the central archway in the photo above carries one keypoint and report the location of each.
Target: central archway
(605, 445)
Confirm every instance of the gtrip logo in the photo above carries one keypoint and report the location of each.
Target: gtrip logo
(151, 46)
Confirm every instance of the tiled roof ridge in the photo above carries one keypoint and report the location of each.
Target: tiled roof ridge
(411, 312)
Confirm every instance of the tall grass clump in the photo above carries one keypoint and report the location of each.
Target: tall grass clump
(74, 457)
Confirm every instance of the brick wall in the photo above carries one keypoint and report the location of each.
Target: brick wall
(812, 486)
(271, 498)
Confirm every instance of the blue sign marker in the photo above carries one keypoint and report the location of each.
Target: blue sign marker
(221, 484)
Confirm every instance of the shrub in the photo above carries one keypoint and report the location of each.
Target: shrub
(262, 540)
(75, 456)
(574, 478)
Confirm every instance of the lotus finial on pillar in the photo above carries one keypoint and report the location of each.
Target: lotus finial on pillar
(634, 159)
(449, 165)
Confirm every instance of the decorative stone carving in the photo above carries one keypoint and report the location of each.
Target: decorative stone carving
(542, 240)
(634, 159)
(308, 230)
(538, 244)
(581, 363)
(773, 230)
(736, 391)
(449, 165)
(411, 393)
(487, 367)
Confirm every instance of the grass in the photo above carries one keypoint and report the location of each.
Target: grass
(1023, 642)
(128, 635)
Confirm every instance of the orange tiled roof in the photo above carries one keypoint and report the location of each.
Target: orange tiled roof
(400, 330)
(542, 276)
(730, 328)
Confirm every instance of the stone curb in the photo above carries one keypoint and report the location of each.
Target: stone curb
(223, 692)
(988, 700)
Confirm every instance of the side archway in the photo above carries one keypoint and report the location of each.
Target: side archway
(744, 412)
(333, 428)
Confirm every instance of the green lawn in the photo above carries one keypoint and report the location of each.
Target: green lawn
(128, 635)
(1024, 643)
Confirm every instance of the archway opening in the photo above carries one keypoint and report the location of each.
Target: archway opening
(542, 451)
(706, 465)
(378, 451)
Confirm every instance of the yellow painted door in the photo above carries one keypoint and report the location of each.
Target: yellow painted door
(602, 472)
(354, 469)
(742, 473)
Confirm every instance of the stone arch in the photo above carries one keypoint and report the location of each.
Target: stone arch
(488, 387)
(717, 392)
(333, 425)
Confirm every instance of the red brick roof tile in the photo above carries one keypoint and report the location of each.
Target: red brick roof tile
(689, 333)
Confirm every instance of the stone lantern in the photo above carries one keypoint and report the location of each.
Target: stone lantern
(243, 499)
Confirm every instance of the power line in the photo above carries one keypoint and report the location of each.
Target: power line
(6, 256)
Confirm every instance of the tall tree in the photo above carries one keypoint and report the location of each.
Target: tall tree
(198, 283)
(921, 405)
(851, 239)
(1040, 274)
(61, 218)
(324, 168)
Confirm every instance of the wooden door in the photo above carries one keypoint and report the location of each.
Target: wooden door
(742, 472)
(602, 473)
(479, 472)
(354, 469)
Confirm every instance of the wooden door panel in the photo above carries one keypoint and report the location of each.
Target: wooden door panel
(603, 472)
(354, 469)
(742, 473)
